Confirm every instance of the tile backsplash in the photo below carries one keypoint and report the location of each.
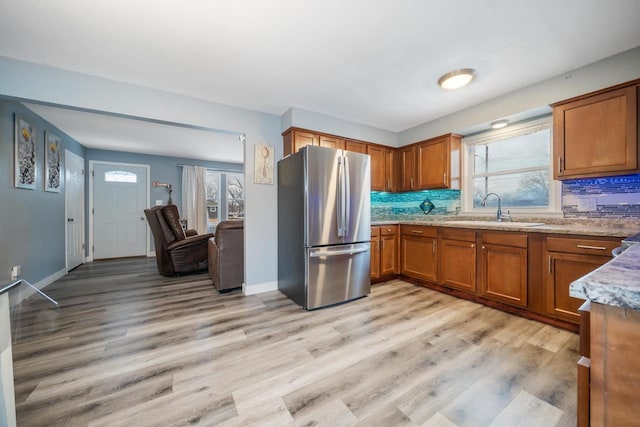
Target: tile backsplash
(610, 197)
(446, 202)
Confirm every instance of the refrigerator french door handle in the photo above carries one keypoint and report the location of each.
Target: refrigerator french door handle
(347, 205)
(334, 253)
(340, 200)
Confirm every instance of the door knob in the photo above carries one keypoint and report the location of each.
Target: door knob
(69, 219)
(141, 218)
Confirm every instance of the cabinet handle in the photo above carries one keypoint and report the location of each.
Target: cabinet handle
(598, 248)
(559, 164)
(433, 247)
(483, 248)
(444, 179)
(411, 183)
(417, 231)
(473, 245)
(549, 264)
(388, 183)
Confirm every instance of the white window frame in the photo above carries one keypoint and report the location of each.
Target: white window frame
(466, 194)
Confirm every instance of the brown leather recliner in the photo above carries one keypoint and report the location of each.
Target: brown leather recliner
(226, 255)
(176, 251)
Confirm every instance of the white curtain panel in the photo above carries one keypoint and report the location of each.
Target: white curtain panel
(194, 198)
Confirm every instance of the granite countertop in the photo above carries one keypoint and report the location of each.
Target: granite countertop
(591, 227)
(616, 283)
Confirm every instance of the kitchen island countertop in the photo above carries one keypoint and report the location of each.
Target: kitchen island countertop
(616, 283)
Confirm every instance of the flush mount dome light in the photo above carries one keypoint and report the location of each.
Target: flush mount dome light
(499, 124)
(457, 78)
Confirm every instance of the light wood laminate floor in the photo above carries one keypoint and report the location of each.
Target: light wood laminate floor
(128, 347)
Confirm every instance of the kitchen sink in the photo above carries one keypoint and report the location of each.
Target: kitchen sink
(495, 224)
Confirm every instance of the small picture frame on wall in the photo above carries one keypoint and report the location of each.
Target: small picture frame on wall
(25, 154)
(52, 162)
(263, 162)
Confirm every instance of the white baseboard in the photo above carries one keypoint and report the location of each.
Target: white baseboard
(259, 288)
(25, 291)
(151, 254)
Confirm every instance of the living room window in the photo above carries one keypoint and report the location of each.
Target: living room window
(514, 163)
(225, 196)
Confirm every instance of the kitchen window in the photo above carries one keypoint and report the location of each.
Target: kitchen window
(514, 163)
(225, 196)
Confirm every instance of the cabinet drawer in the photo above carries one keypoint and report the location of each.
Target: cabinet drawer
(581, 246)
(517, 240)
(375, 232)
(388, 230)
(419, 230)
(458, 234)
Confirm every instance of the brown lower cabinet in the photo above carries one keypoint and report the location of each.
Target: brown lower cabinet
(567, 259)
(503, 267)
(457, 261)
(418, 251)
(384, 251)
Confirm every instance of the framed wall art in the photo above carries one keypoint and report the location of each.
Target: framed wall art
(25, 154)
(263, 161)
(52, 161)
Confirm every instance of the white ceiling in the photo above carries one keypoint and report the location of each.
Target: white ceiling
(374, 63)
(136, 136)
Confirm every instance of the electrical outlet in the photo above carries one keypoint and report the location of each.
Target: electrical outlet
(159, 203)
(15, 272)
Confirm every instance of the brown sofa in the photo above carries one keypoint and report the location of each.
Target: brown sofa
(177, 252)
(226, 255)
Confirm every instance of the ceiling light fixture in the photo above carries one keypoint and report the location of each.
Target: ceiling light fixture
(457, 78)
(499, 124)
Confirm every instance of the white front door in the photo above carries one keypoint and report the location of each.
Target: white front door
(74, 206)
(119, 200)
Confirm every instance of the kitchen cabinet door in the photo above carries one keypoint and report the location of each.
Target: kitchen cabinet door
(596, 135)
(432, 164)
(389, 170)
(388, 254)
(356, 147)
(457, 262)
(295, 139)
(331, 142)
(375, 252)
(419, 252)
(504, 273)
(378, 176)
(562, 269)
(407, 168)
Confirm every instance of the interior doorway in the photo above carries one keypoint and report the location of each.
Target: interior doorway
(74, 208)
(119, 194)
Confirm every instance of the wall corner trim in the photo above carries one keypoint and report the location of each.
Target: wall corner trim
(259, 288)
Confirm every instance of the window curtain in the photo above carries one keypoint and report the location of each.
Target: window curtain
(194, 198)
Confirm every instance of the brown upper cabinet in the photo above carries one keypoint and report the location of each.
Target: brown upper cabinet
(438, 163)
(331, 142)
(407, 165)
(356, 147)
(597, 134)
(431, 164)
(382, 168)
(295, 139)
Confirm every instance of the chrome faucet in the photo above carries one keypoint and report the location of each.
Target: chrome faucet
(499, 216)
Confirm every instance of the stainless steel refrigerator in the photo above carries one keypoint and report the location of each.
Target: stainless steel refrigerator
(324, 226)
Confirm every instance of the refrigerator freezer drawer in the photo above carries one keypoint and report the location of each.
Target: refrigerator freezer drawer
(336, 274)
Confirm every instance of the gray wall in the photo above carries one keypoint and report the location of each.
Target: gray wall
(32, 222)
